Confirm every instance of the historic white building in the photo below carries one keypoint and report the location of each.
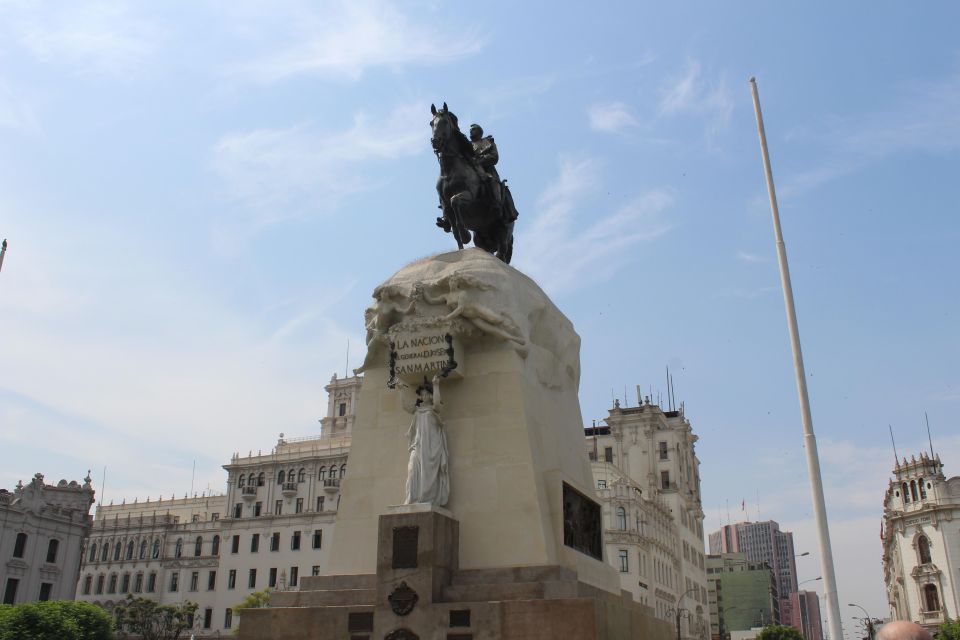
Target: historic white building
(647, 474)
(921, 542)
(272, 526)
(42, 528)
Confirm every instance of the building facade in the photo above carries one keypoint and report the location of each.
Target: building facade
(805, 609)
(742, 594)
(921, 542)
(271, 526)
(42, 529)
(763, 542)
(647, 477)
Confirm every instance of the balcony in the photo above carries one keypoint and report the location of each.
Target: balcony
(932, 616)
(248, 493)
(331, 485)
(289, 489)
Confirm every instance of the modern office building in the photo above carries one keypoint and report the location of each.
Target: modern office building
(648, 481)
(42, 529)
(742, 594)
(805, 609)
(921, 542)
(763, 542)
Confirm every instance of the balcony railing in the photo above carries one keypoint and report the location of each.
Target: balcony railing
(289, 488)
(330, 485)
(248, 493)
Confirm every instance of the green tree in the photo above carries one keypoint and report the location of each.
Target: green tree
(255, 600)
(55, 620)
(153, 621)
(779, 632)
(949, 630)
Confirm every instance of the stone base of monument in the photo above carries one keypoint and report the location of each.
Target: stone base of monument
(419, 592)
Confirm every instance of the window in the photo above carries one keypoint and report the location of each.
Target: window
(278, 507)
(116, 551)
(143, 549)
(242, 481)
(301, 475)
(20, 546)
(315, 570)
(198, 546)
(624, 561)
(93, 553)
(923, 549)
(194, 581)
(252, 579)
(130, 549)
(622, 519)
(317, 538)
(343, 469)
(261, 479)
(931, 601)
(235, 544)
(294, 576)
(342, 410)
(232, 579)
(913, 490)
(207, 618)
(923, 491)
(321, 474)
(257, 508)
(228, 618)
(54, 545)
(664, 479)
(10, 591)
(100, 579)
(601, 484)
(238, 510)
(151, 582)
(299, 507)
(295, 541)
(178, 550)
(105, 552)
(664, 454)
(608, 454)
(87, 585)
(319, 503)
(273, 577)
(211, 580)
(281, 477)
(275, 541)
(214, 516)
(112, 585)
(255, 543)
(45, 589)
(906, 493)
(125, 583)
(156, 549)
(174, 581)
(332, 474)
(215, 546)
(138, 583)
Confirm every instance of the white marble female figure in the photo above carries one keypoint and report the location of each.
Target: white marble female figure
(428, 478)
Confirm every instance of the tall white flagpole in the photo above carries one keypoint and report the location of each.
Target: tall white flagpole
(810, 440)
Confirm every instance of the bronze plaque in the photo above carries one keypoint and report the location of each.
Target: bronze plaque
(582, 524)
(405, 547)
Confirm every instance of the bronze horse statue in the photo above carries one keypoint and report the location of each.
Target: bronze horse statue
(467, 199)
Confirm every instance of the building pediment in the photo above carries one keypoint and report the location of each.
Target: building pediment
(925, 571)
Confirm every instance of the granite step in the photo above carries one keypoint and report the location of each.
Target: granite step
(323, 598)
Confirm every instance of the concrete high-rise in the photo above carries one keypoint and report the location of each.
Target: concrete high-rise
(763, 542)
(742, 594)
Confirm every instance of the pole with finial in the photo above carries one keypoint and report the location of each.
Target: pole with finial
(3, 251)
(810, 440)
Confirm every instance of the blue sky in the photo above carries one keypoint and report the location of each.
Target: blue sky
(199, 199)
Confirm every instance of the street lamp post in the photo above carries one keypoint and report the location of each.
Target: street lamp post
(868, 620)
(680, 612)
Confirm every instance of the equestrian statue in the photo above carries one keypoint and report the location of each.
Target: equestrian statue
(473, 198)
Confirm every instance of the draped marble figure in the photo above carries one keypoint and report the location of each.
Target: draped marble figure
(428, 478)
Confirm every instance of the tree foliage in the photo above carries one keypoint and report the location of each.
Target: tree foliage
(55, 620)
(153, 621)
(949, 630)
(779, 632)
(255, 600)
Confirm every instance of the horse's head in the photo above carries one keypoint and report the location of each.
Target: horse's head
(444, 126)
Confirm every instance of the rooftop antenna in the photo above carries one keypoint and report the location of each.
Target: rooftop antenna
(929, 439)
(193, 474)
(896, 460)
(639, 397)
(669, 396)
(3, 250)
(103, 484)
(346, 366)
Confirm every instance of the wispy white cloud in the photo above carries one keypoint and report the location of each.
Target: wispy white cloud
(610, 117)
(348, 37)
(15, 112)
(745, 256)
(693, 93)
(554, 240)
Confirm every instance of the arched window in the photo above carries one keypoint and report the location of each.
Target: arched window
(923, 491)
(215, 546)
(923, 550)
(52, 547)
(301, 475)
(198, 546)
(242, 481)
(292, 475)
(280, 477)
(156, 549)
(931, 599)
(906, 493)
(333, 472)
(322, 473)
(130, 548)
(178, 551)
(343, 469)
(143, 549)
(93, 553)
(621, 519)
(20, 546)
(105, 552)
(117, 548)
(913, 490)
(261, 479)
